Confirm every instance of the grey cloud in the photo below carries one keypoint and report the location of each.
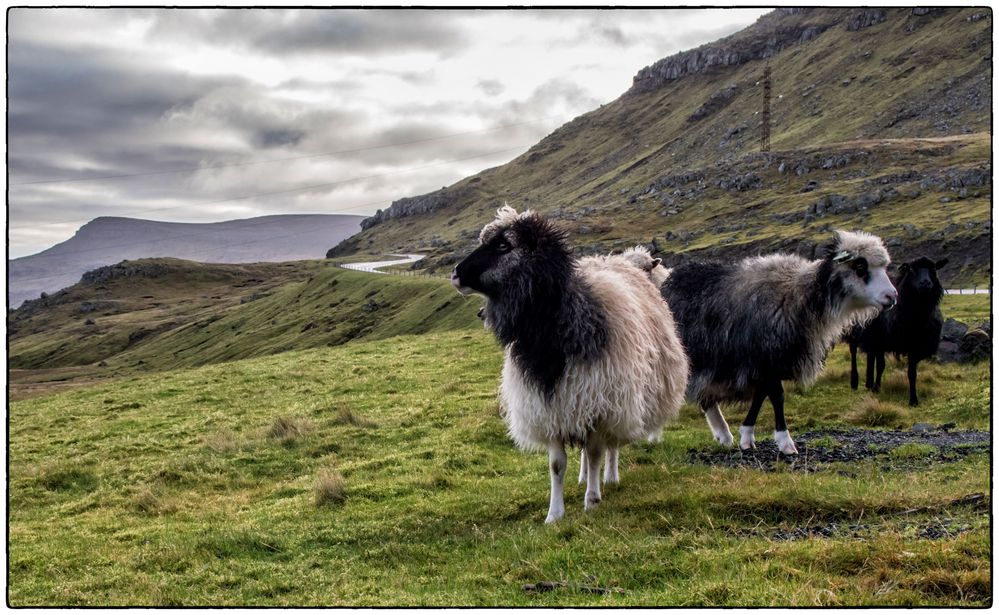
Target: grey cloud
(347, 31)
(89, 105)
(491, 87)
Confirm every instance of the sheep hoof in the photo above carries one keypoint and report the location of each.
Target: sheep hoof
(784, 443)
(724, 439)
(591, 502)
(747, 437)
(553, 517)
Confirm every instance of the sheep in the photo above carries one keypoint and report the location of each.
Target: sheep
(640, 257)
(911, 329)
(751, 324)
(591, 353)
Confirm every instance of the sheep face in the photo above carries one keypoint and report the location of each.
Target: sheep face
(510, 247)
(860, 262)
(918, 278)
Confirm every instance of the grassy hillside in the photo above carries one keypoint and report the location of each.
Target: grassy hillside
(890, 121)
(157, 314)
(379, 472)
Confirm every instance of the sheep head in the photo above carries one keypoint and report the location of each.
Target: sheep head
(860, 263)
(918, 278)
(642, 258)
(519, 253)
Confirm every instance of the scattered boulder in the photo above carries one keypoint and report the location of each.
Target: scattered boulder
(960, 343)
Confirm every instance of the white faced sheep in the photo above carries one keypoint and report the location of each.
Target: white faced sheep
(640, 257)
(592, 357)
(912, 328)
(751, 324)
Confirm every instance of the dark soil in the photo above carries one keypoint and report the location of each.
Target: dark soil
(818, 449)
(946, 521)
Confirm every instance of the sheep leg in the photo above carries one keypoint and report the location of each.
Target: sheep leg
(557, 462)
(610, 466)
(869, 379)
(747, 433)
(854, 374)
(594, 453)
(712, 412)
(880, 357)
(913, 399)
(781, 435)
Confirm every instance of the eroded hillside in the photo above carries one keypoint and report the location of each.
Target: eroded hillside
(881, 121)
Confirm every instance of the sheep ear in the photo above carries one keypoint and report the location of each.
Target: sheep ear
(656, 262)
(940, 263)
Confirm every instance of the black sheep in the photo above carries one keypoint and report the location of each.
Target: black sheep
(912, 328)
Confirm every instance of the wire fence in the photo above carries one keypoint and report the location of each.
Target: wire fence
(381, 268)
(403, 273)
(409, 273)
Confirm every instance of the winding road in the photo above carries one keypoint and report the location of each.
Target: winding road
(374, 266)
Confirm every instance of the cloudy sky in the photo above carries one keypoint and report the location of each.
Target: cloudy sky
(187, 115)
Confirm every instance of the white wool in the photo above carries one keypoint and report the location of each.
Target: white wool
(629, 393)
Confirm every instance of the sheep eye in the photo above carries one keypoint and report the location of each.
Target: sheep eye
(860, 268)
(503, 247)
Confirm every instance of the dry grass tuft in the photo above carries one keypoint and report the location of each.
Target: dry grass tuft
(346, 416)
(330, 489)
(288, 430)
(872, 412)
(147, 502)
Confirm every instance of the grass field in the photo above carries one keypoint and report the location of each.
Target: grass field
(379, 473)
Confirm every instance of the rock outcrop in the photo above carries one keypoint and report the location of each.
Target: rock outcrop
(416, 205)
(760, 41)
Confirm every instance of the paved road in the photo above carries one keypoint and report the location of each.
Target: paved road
(373, 266)
(967, 291)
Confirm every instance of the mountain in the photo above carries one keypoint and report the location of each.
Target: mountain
(108, 240)
(881, 120)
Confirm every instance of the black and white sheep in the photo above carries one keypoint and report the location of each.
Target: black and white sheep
(912, 328)
(592, 357)
(749, 325)
(642, 258)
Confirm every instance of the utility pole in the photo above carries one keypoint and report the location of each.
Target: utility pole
(765, 123)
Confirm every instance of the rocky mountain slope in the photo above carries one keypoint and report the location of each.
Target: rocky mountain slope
(104, 241)
(880, 120)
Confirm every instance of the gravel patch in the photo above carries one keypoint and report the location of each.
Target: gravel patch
(818, 449)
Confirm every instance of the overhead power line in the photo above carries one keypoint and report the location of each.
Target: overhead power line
(270, 160)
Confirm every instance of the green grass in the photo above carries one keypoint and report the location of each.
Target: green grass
(289, 306)
(967, 308)
(380, 473)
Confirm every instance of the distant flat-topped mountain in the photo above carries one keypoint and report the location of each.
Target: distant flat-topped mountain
(105, 241)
